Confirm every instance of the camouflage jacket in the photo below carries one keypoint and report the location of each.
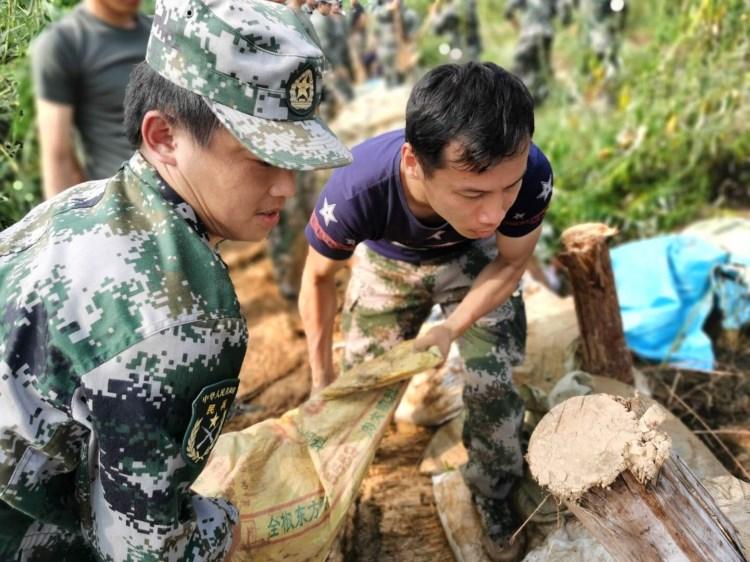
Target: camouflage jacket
(120, 349)
(458, 19)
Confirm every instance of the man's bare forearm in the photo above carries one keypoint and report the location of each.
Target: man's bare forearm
(61, 173)
(317, 306)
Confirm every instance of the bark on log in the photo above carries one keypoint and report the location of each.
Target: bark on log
(671, 519)
(586, 257)
(650, 512)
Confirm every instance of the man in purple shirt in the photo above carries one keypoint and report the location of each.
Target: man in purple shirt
(448, 211)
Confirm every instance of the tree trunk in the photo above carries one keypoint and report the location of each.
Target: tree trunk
(586, 257)
(672, 519)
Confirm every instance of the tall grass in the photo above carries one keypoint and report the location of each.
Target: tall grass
(675, 142)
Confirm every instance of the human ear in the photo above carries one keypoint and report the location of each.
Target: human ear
(411, 164)
(158, 134)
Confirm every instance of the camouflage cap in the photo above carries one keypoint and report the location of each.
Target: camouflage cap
(257, 69)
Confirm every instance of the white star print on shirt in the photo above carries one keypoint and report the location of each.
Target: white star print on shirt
(546, 189)
(519, 216)
(437, 236)
(326, 211)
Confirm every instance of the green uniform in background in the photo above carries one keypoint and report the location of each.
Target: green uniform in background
(286, 243)
(385, 29)
(532, 60)
(333, 34)
(458, 21)
(603, 23)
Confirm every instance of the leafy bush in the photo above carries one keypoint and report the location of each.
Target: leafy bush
(676, 133)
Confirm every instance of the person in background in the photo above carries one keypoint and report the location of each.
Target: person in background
(457, 19)
(532, 58)
(394, 25)
(80, 68)
(343, 31)
(361, 59)
(603, 23)
(331, 29)
(286, 242)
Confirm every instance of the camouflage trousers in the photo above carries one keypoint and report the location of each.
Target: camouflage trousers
(388, 300)
(286, 242)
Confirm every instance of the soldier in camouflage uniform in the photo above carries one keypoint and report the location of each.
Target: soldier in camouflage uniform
(286, 243)
(532, 57)
(458, 20)
(603, 23)
(122, 337)
(387, 15)
(448, 211)
(333, 41)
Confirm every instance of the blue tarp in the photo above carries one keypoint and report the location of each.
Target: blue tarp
(666, 290)
(731, 282)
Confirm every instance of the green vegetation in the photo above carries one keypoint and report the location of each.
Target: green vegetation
(664, 144)
(672, 144)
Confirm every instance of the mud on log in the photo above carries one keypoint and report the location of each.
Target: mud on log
(586, 257)
(617, 474)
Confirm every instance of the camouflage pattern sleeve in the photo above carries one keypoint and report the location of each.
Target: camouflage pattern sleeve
(155, 411)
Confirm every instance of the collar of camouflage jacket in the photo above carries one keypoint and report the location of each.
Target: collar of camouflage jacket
(147, 174)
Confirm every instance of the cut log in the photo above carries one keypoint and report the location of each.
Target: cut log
(604, 457)
(586, 258)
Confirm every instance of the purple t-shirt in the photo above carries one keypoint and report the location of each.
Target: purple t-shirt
(365, 202)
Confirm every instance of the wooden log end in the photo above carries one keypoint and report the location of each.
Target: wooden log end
(582, 237)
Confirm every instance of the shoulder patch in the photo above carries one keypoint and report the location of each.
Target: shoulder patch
(210, 409)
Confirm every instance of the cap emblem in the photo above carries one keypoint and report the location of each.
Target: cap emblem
(301, 92)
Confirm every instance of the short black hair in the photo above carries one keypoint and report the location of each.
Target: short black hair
(482, 106)
(147, 90)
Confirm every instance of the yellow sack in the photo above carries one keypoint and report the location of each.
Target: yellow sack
(293, 478)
